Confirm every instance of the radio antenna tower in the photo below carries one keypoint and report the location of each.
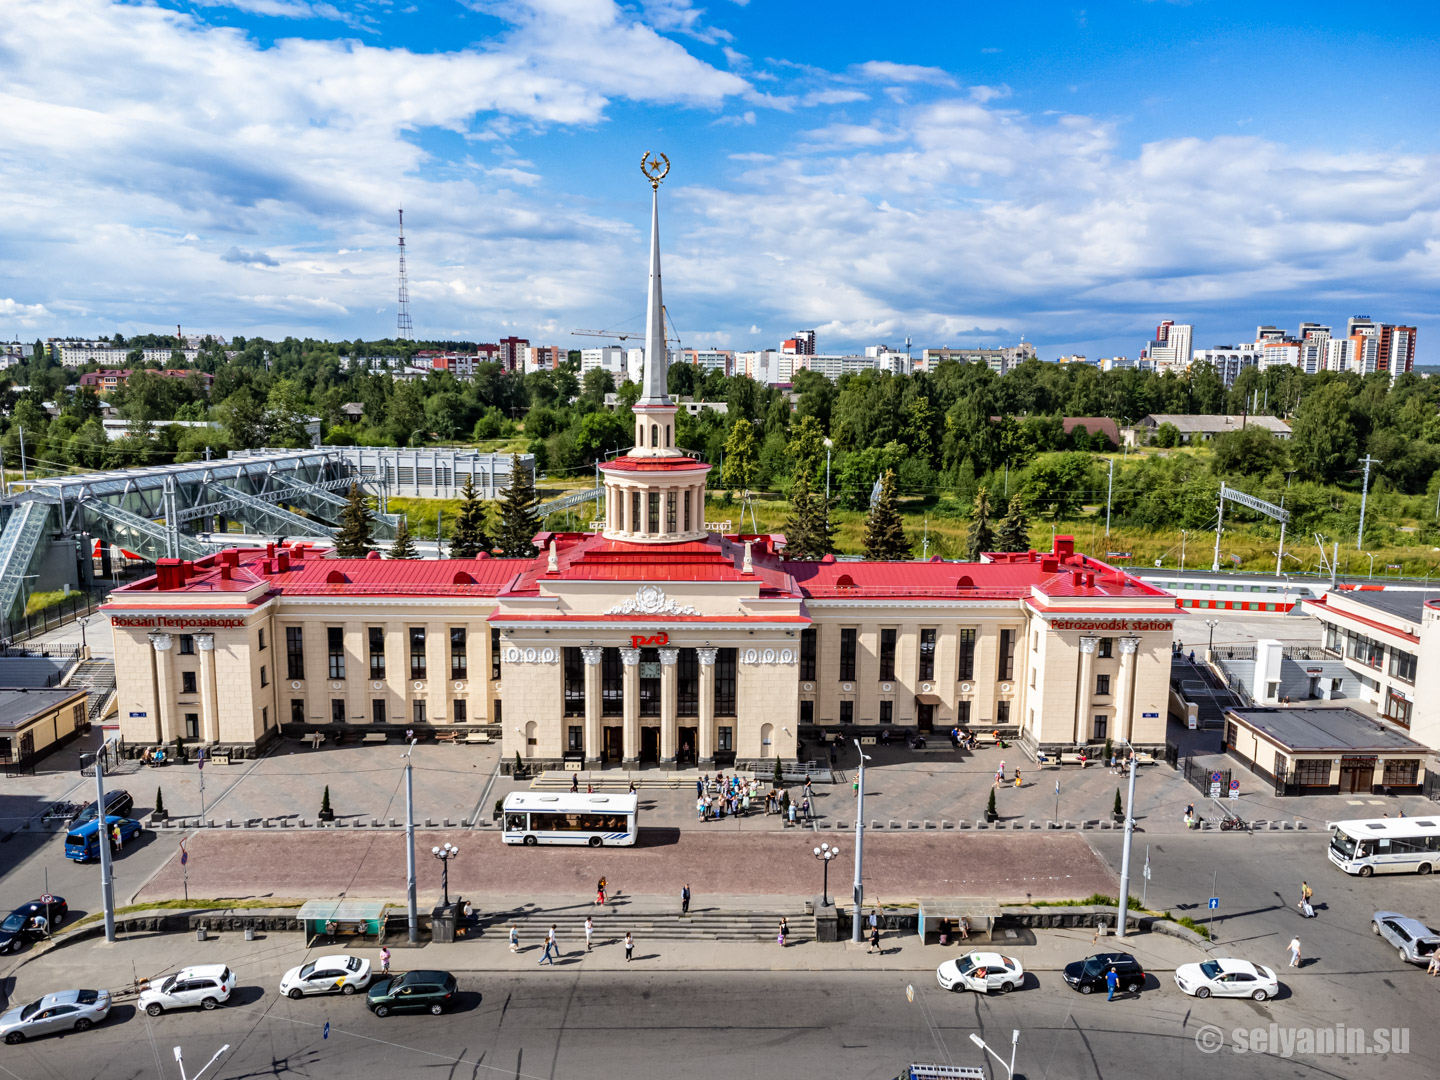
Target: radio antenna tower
(403, 330)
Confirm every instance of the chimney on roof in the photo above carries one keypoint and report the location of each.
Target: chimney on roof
(270, 550)
(224, 571)
(283, 560)
(1076, 578)
(297, 552)
(1064, 547)
(230, 557)
(168, 574)
(1089, 581)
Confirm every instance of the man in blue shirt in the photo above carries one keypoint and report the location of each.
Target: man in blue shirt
(1112, 983)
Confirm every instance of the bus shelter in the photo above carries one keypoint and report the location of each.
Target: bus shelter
(342, 918)
(942, 917)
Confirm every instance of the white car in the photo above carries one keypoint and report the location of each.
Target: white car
(205, 986)
(981, 972)
(1227, 978)
(327, 975)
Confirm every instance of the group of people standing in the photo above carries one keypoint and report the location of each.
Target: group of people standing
(733, 797)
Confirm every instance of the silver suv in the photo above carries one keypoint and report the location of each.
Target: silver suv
(1413, 940)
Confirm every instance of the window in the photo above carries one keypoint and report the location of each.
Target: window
(725, 742)
(575, 737)
(671, 510)
(1035, 641)
(807, 654)
(377, 711)
(459, 662)
(847, 654)
(654, 434)
(1101, 728)
(1102, 685)
(1402, 773)
(887, 712)
(262, 640)
(335, 642)
(612, 684)
(1107, 646)
(1313, 772)
(459, 710)
(192, 725)
(635, 511)
(417, 652)
(574, 674)
(687, 511)
(807, 712)
(725, 682)
(1402, 665)
(927, 654)
(1006, 669)
(1002, 713)
(187, 682)
(494, 654)
(295, 652)
(654, 503)
(265, 718)
(497, 711)
(687, 683)
(1397, 708)
(337, 710)
(887, 654)
(187, 644)
(264, 679)
(967, 654)
(297, 710)
(962, 714)
(649, 682)
(417, 710)
(377, 652)
(847, 712)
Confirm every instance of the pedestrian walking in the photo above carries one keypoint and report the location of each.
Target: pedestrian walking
(700, 807)
(119, 838)
(600, 892)
(874, 920)
(1294, 948)
(629, 946)
(514, 938)
(632, 787)
(384, 961)
(1112, 982)
(792, 813)
(589, 931)
(699, 788)
(685, 899)
(1017, 777)
(875, 941)
(589, 787)
(1305, 893)
(552, 948)
(780, 937)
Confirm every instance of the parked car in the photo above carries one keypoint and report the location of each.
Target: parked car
(981, 972)
(82, 842)
(1227, 978)
(1414, 941)
(205, 985)
(69, 1010)
(117, 802)
(414, 991)
(1090, 974)
(327, 975)
(31, 922)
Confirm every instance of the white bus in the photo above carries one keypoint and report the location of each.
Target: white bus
(1386, 845)
(544, 817)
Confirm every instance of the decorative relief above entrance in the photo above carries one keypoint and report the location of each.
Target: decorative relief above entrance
(650, 600)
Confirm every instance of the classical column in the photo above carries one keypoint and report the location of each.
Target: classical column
(209, 716)
(669, 704)
(1125, 695)
(631, 733)
(706, 737)
(163, 643)
(594, 748)
(1083, 693)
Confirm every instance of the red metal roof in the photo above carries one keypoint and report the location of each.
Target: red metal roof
(654, 464)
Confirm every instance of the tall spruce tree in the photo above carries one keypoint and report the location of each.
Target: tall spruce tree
(353, 539)
(982, 536)
(803, 538)
(468, 537)
(1014, 531)
(519, 519)
(404, 545)
(884, 533)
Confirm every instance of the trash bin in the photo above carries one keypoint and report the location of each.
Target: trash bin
(200, 934)
(442, 924)
(249, 933)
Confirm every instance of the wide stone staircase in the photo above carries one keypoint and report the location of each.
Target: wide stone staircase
(97, 676)
(652, 923)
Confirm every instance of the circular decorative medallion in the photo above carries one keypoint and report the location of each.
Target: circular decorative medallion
(965, 688)
(295, 685)
(848, 687)
(807, 687)
(337, 686)
(459, 686)
(377, 686)
(417, 686)
(887, 687)
(1004, 688)
(926, 688)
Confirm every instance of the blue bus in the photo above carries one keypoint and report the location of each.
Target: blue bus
(83, 844)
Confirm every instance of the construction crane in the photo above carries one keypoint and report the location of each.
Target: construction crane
(669, 341)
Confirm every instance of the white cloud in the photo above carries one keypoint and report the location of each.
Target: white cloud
(248, 258)
(889, 71)
(833, 97)
(26, 314)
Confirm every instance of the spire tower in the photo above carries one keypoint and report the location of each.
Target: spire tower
(403, 330)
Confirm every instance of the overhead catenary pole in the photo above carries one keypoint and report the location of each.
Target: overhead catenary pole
(1219, 525)
(1364, 491)
(858, 893)
(413, 912)
(1109, 490)
(1120, 918)
(102, 827)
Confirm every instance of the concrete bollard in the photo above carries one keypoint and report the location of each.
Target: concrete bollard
(875, 825)
(1069, 824)
(392, 823)
(374, 823)
(1300, 824)
(945, 824)
(1018, 825)
(229, 823)
(1285, 825)
(929, 824)
(980, 824)
(910, 824)
(429, 824)
(841, 825)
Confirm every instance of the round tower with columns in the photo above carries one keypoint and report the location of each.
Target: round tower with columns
(655, 494)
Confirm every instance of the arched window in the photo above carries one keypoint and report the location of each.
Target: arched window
(667, 436)
(845, 582)
(965, 582)
(654, 434)
(335, 577)
(462, 578)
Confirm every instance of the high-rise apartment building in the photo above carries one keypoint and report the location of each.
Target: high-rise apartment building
(511, 356)
(802, 344)
(1171, 348)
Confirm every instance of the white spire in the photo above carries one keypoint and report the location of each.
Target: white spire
(656, 357)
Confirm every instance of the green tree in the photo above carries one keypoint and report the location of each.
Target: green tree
(467, 536)
(519, 518)
(807, 531)
(1323, 440)
(356, 521)
(1014, 531)
(741, 457)
(1167, 436)
(1249, 451)
(807, 445)
(981, 538)
(404, 545)
(884, 533)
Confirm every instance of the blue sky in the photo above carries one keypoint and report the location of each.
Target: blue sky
(959, 173)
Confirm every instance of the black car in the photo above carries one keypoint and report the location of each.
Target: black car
(117, 802)
(1088, 975)
(414, 991)
(31, 922)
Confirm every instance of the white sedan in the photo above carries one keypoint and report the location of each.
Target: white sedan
(1227, 978)
(327, 975)
(981, 972)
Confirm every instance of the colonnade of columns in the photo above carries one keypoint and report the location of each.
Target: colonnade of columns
(623, 517)
(167, 719)
(669, 703)
(1124, 692)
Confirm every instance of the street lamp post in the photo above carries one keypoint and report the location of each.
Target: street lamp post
(180, 1061)
(1211, 623)
(825, 853)
(445, 854)
(414, 914)
(1371, 557)
(1122, 916)
(1014, 1040)
(830, 446)
(858, 892)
